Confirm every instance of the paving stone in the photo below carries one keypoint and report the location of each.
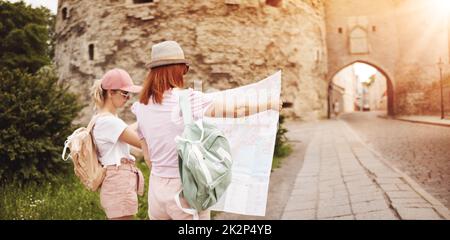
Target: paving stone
(378, 215)
(336, 211)
(326, 195)
(390, 187)
(346, 217)
(365, 197)
(389, 180)
(340, 194)
(306, 182)
(303, 198)
(301, 192)
(418, 214)
(371, 206)
(331, 184)
(323, 203)
(402, 194)
(404, 187)
(299, 215)
(408, 200)
(328, 191)
(361, 185)
(368, 190)
(300, 205)
(411, 205)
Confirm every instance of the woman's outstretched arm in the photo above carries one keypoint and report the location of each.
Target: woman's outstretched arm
(221, 108)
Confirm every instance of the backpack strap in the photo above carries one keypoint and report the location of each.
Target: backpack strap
(66, 145)
(185, 106)
(89, 127)
(91, 124)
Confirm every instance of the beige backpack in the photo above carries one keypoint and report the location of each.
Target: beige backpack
(84, 155)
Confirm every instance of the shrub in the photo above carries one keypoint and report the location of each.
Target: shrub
(36, 114)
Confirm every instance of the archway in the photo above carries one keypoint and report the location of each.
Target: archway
(348, 91)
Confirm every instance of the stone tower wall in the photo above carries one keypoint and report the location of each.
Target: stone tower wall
(228, 42)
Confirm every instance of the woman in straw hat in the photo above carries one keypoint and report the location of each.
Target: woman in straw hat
(158, 125)
(112, 136)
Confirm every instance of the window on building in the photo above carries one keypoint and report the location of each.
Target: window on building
(340, 30)
(358, 41)
(91, 51)
(274, 3)
(64, 13)
(374, 28)
(142, 1)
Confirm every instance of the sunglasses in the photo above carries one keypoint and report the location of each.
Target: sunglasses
(123, 93)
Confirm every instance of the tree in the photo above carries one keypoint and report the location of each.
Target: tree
(25, 36)
(36, 114)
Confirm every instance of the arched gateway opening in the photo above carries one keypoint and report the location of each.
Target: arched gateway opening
(360, 86)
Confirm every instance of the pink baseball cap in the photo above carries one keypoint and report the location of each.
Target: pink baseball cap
(116, 79)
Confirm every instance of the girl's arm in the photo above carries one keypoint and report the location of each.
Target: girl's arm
(219, 108)
(130, 136)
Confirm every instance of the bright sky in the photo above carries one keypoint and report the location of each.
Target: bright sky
(364, 71)
(50, 4)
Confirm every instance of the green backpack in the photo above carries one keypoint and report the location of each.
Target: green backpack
(204, 161)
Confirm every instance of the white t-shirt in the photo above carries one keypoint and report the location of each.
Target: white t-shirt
(107, 131)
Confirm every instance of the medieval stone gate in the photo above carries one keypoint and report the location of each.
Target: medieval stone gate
(402, 39)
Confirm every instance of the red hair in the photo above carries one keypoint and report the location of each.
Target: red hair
(159, 80)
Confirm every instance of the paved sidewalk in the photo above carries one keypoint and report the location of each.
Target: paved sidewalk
(342, 178)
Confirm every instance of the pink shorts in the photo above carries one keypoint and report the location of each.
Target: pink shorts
(161, 201)
(118, 193)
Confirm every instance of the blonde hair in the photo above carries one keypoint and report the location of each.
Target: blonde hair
(98, 94)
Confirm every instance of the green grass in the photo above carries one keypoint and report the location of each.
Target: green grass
(284, 151)
(64, 198)
(143, 201)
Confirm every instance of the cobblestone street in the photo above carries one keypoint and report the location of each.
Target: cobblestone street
(343, 178)
(420, 151)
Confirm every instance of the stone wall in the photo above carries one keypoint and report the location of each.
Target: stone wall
(229, 43)
(423, 34)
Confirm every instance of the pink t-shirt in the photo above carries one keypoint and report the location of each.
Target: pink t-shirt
(159, 124)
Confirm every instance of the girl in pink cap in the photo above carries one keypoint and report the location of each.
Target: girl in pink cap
(158, 126)
(112, 136)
